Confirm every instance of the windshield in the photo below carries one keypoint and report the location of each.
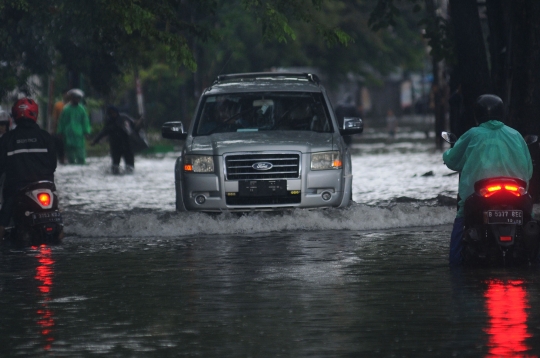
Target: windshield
(248, 112)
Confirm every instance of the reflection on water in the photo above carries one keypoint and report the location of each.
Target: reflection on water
(507, 304)
(291, 294)
(44, 276)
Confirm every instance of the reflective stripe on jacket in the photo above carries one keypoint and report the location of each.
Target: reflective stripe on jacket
(27, 155)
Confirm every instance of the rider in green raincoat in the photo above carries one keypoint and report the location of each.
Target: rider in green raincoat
(73, 125)
(490, 150)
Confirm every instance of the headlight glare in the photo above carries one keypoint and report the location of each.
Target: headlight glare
(199, 164)
(326, 160)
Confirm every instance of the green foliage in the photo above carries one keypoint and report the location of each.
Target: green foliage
(437, 30)
(93, 103)
(179, 46)
(440, 38)
(240, 45)
(98, 38)
(24, 43)
(163, 86)
(276, 15)
(103, 38)
(349, 46)
(383, 15)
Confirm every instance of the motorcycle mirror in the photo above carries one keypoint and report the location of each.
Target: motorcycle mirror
(531, 139)
(449, 137)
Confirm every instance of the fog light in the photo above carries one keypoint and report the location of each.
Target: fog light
(200, 199)
(326, 196)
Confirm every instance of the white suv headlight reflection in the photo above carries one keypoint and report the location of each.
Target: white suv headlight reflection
(326, 160)
(199, 164)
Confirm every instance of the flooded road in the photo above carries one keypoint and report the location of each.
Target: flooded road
(297, 294)
(135, 279)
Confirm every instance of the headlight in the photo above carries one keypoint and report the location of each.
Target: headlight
(199, 164)
(326, 160)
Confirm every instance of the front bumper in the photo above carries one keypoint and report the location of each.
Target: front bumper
(210, 192)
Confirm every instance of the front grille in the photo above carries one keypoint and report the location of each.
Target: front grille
(284, 166)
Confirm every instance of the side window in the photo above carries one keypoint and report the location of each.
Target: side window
(208, 115)
(218, 114)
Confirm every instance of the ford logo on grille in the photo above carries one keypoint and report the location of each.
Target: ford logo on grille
(262, 166)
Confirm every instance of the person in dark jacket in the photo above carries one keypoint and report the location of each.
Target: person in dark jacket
(118, 127)
(27, 155)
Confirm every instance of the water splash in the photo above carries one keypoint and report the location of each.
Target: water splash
(171, 224)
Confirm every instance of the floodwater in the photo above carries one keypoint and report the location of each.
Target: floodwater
(135, 279)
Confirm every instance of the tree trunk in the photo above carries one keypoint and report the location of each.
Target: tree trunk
(471, 57)
(524, 106)
(438, 95)
(497, 40)
(439, 99)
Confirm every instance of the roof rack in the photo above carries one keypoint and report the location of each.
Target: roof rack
(251, 75)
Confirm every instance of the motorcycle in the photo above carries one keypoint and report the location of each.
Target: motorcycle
(36, 219)
(499, 224)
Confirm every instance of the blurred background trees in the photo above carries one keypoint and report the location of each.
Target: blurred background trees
(175, 48)
(488, 46)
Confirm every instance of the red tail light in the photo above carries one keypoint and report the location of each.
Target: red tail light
(44, 199)
(505, 238)
(489, 190)
(511, 188)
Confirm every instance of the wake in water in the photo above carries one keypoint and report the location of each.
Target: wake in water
(149, 223)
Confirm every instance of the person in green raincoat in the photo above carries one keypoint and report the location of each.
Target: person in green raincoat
(73, 126)
(490, 150)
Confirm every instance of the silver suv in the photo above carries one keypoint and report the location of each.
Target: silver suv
(263, 141)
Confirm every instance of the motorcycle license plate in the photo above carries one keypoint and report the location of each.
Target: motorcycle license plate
(49, 217)
(504, 217)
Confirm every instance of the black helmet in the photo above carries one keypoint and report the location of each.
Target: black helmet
(488, 107)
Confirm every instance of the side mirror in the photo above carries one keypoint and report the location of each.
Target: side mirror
(531, 139)
(449, 137)
(352, 125)
(173, 130)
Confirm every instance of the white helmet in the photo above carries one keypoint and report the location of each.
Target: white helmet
(4, 117)
(76, 93)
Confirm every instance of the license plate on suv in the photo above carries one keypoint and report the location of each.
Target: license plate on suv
(48, 217)
(262, 187)
(504, 217)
